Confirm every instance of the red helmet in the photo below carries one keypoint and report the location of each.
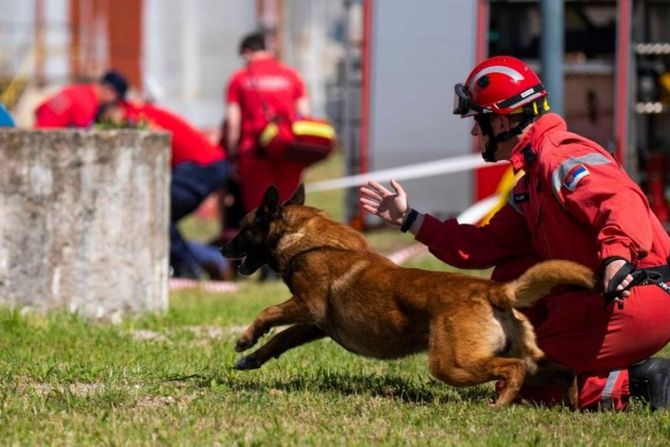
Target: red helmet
(501, 85)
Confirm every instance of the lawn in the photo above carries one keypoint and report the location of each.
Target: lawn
(169, 380)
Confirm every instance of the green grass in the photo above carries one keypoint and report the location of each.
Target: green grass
(169, 380)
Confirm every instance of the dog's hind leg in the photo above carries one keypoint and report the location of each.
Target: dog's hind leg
(469, 355)
(513, 372)
(287, 339)
(551, 373)
(288, 312)
(476, 372)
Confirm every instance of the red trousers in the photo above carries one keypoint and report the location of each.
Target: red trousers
(599, 343)
(256, 174)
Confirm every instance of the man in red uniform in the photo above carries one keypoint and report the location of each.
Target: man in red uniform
(263, 89)
(77, 105)
(198, 169)
(574, 202)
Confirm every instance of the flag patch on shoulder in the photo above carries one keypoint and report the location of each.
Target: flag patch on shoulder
(574, 175)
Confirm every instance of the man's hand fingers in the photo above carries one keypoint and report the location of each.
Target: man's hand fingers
(627, 280)
(370, 209)
(370, 193)
(396, 186)
(370, 203)
(381, 190)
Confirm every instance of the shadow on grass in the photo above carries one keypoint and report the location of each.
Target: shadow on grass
(414, 391)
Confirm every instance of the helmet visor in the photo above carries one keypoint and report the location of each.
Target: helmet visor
(463, 105)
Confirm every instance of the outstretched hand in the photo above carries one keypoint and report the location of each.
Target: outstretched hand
(392, 207)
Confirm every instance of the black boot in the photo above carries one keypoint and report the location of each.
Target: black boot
(650, 381)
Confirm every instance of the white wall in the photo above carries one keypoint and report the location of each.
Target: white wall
(17, 20)
(419, 50)
(190, 50)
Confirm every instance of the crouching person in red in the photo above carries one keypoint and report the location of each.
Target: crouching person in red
(198, 169)
(574, 202)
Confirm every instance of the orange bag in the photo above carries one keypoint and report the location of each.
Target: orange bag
(303, 141)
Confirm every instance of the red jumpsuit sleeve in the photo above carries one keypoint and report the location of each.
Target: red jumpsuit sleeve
(472, 247)
(596, 190)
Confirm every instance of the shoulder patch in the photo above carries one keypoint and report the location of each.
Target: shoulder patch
(574, 176)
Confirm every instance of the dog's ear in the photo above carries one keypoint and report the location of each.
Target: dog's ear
(298, 197)
(270, 205)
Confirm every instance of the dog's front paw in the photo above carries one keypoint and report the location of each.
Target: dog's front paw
(243, 343)
(248, 362)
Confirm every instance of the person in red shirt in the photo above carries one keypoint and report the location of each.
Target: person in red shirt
(198, 169)
(574, 202)
(77, 105)
(263, 89)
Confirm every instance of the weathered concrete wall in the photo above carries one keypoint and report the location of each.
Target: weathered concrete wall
(84, 221)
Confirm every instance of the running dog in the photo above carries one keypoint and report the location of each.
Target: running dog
(342, 289)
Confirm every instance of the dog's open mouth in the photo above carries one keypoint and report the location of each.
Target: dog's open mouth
(246, 266)
(249, 260)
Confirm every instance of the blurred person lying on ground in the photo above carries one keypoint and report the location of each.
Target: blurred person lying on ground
(198, 169)
(77, 105)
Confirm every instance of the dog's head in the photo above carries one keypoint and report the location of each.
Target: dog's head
(256, 239)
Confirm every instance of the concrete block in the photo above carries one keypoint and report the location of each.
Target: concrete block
(84, 219)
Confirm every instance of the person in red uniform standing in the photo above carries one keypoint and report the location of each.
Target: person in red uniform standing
(574, 202)
(77, 105)
(198, 169)
(264, 88)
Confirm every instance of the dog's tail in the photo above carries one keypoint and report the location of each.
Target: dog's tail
(538, 281)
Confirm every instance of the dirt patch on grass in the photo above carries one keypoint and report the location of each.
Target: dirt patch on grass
(204, 332)
(77, 389)
(147, 335)
(166, 401)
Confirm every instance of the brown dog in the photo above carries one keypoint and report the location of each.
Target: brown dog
(344, 290)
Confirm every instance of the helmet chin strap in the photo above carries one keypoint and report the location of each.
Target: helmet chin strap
(484, 121)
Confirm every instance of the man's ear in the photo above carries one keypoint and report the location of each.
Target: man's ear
(270, 205)
(298, 197)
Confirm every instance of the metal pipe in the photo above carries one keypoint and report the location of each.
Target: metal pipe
(552, 50)
(347, 139)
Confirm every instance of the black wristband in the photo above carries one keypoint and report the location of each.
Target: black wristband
(409, 220)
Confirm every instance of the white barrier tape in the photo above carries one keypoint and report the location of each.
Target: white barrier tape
(208, 286)
(405, 254)
(478, 210)
(420, 170)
